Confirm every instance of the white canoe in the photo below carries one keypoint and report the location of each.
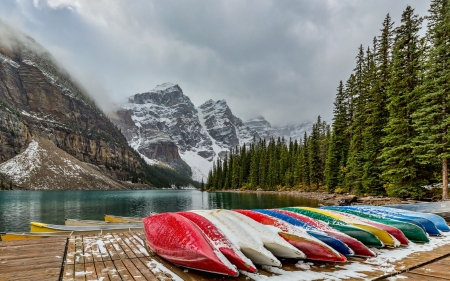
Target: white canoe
(242, 239)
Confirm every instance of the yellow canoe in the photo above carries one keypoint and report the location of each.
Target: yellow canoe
(44, 227)
(75, 222)
(384, 237)
(118, 219)
(14, 236)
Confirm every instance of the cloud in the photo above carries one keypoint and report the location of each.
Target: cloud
(281, 59)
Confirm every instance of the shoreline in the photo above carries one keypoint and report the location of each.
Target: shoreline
(330, 198)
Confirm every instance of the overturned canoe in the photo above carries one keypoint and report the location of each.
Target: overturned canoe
(252, 247)
(313, 248)
(44, 227)
(271, 240)
(384, 237)
(358, 248)
(438, 221)
(312, 231)
(364, 236)
(413, 232)
(225, 246)
(424, 223)
(393, 231)
(178, 240)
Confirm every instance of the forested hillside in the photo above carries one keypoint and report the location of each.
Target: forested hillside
(391, 125)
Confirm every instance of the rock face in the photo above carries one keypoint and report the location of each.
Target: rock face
(164, 126)
(44, 166)
(38, 100)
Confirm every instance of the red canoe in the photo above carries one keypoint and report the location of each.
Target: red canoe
(311, 247)
(233, 254)
(393, 231)
(359, 248)
(179, 240)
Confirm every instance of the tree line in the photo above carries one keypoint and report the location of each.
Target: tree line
(271, 164)
(391, 125)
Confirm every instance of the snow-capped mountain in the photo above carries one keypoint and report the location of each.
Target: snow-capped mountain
(165, 127)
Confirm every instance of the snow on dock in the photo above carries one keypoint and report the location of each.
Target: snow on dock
(125, 256)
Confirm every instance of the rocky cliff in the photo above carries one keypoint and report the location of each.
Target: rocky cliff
(164, 126)
(39, 100)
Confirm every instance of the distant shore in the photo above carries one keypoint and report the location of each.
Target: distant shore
(328, 198)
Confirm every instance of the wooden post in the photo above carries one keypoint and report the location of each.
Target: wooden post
(444, 179)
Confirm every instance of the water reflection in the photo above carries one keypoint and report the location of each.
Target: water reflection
(18, 208)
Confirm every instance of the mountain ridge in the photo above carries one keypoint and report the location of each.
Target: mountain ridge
(200, 134)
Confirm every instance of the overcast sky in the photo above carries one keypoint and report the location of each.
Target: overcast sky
(280, 59)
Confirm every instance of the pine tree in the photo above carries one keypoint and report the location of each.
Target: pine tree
(356, 159)
(400, 169)
(338, 150)
(315, 168)
(432, 118)
(305, 172)
(378, 71)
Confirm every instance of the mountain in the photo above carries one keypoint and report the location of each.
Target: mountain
(40, 102)
(164, 126)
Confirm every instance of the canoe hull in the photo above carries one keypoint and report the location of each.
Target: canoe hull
(358, 248)
(234, 255)
(361, 235)
(426, 224)
(178, 240)
(413, 232)
(314, 232)
(313, 249)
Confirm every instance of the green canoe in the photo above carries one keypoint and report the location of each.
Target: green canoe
(362, 235)
(411, 231)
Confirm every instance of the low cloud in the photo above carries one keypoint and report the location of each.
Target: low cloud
(281, 59)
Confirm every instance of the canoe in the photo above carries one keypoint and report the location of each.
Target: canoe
(366, 237)
(393, 231)
(75, 222)
(438, 221)
(44, 227)
(437, 208)
(180, 241)
(225, 246)
(271, 240)
(413, 232)
(314, 249)
(384, 237)
(426, 224)
(252, 247)
(14, 236)
(119, 219)
(314, 232)
(358, 248)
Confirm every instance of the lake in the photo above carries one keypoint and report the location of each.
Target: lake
(18, 208)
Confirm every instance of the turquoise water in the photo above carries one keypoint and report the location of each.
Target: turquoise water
(18, 208)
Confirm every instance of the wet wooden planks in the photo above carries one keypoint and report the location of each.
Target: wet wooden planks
(37, 259)
(121, 256)
(436, 270)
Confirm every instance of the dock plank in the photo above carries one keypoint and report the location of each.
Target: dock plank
(122, 270)
(89, 269)
(101, 270)
(124, 246)
(80, 274)
(112, 271)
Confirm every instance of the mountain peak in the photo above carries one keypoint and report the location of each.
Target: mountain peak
(164, 86)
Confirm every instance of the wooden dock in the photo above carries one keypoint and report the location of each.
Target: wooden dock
(124, 256)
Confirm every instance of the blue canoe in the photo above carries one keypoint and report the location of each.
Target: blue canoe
(439, 221)
(336, 244)
(424, 223)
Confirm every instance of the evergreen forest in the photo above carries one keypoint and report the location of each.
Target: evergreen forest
(390, 132)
